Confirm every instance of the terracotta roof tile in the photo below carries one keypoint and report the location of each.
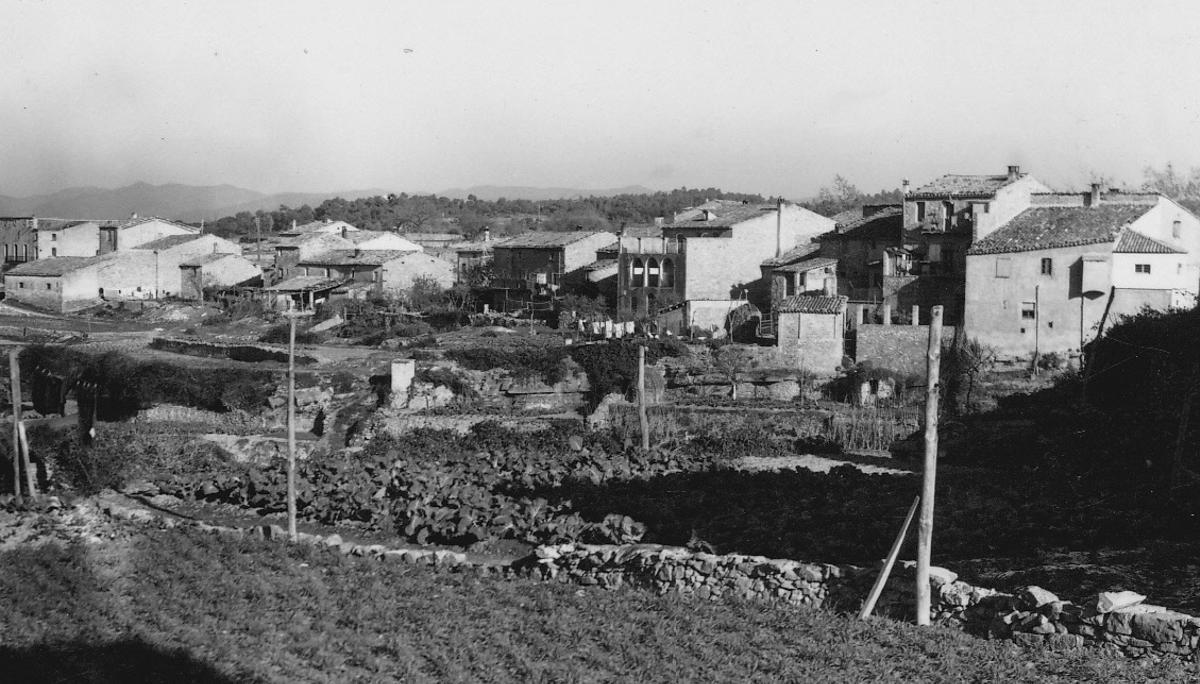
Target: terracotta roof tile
(808, 265)
(963, 185)
(815, 304)
(548, 239)
(1054, 227)
(1133, 242)
(797, 253)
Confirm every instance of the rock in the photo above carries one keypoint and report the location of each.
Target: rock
(327, 324)
(1032, 598)
(1109, 601)
(1064, 642)
(140, 487)
(939, 576)
(575, 442)
(277, 401)
(333, 540)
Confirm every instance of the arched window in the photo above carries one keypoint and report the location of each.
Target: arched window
(652, 273)
(637, 274)
(668, 273)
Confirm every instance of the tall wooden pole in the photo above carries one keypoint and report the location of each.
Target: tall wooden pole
(642, 419)
(291, 427)
(30, 477)
(925, 522)
(14, 373)
(881, 581)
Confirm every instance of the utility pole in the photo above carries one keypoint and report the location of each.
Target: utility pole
(292, 315)
(257, 242)
(643, 420)
(1037, 326)
(929, 476)
(14, 372)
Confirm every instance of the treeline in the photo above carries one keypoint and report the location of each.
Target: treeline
(431, 213)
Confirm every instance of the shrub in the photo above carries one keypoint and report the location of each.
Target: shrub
(543, 363)
(414, 329)
(279, 334)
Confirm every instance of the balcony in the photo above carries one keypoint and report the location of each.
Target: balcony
(632, 245)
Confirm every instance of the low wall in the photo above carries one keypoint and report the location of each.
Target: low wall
(901, 348)
(234, 352)
(1114, 621)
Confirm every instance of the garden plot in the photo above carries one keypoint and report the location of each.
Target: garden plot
(817, 464)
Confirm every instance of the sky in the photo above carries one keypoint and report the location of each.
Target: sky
(774, 97)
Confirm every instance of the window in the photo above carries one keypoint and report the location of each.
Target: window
(1047, 266)
(652, 273)
(1028, 311)
(668, 273)
(920, 211)
(49, 286)
(1141, 268)
(637, 274)
(1176, 228)
(21, 285)
(54, 236)
(1003, 267)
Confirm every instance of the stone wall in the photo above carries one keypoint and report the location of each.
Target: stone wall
(235, 352)
(900, 348)
(1114, 621)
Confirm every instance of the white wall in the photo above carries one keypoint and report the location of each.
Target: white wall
(82, 240)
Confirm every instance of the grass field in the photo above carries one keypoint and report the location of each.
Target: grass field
(178, 606)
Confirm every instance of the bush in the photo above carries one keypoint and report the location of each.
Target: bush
(543, 363)
(414, 329)
(612, 366)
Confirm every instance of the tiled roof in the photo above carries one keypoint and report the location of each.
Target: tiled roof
(432, 237)
(54, 266)
(808, 265)
(305, 283)
(147, 219)
(168, 242)
(643, 231)
(797, 253)
(1053, 227)
(600, 265)
(548, 239)
(814, 304)
(317, 225)
(354, 257)
(1134, 242)
(963, 185)
(724, 216)
(307, 238)
(882, 225)
(207, 259)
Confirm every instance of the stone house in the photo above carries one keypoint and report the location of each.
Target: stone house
(116, 236)
(313, 227)
(18, 235)
(811, 332)
(544, 262)
(382, 271)
(1050, 279)
(867, 246)
(169, 253)
(58, 237)
(216, 270)
(942, 219)
(709, 255)
(292, 250)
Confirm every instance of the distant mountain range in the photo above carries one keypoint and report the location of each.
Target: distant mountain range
(173, 200)
(495, 192)
(193, 203)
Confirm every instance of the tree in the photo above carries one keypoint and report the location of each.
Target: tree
(1183, 188)
(733, 361)
(840, 196)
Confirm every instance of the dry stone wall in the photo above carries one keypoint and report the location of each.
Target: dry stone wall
(1115, 621)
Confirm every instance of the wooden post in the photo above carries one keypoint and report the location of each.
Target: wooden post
(869, 604)
(291, 428)
(14, 374)
(929, 476)
(642, 419)
(30, 477)
(1037, 326)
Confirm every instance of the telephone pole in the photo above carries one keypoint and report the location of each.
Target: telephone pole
(292, 314)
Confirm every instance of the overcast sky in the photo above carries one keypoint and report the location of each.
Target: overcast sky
(773, 97)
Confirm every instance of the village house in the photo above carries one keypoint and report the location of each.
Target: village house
(116, 236)
(811, 332)
(942, 219)
(1051, 278)
(378, 271)
(18, 235)
(323, 226)
(543, 262)
(867, 245)
(434, 241)
(59, 237)
(215, 271)
(291, 251)
(708, 260)
(170, 252)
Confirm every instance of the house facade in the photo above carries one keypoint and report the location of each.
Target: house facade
(138, 231)
(379, 271)
(1052, 277)
(543, 262)
(868, 247)
(712, 253)
(942, 220)
(217, 270)
(168, 254)
(811, 332)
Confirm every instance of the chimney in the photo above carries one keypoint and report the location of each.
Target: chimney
(659, 221)
(1014, 172)
(132, 215)
(904, 187)
(293, 224)
(779, 227)
(1094, 196)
